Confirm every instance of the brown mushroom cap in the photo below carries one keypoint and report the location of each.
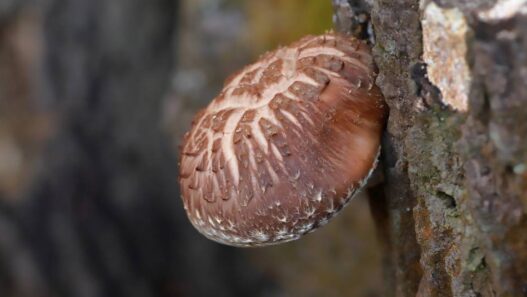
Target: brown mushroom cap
(286, 143)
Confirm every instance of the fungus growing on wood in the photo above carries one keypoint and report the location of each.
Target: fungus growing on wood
(286, 143)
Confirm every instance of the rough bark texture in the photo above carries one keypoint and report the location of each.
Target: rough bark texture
(455, 178)
(89, 204)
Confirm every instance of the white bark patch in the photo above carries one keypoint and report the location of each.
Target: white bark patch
(504, 9)
(444, 45)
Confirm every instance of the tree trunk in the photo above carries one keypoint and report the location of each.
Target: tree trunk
(455, 153)
(101, 215)
(82, 88)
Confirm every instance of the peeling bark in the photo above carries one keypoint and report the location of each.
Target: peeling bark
(456, 179)
(100, 213)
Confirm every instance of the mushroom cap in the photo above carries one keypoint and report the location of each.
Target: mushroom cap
(285, 144)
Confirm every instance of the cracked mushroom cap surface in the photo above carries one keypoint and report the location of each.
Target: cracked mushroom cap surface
(285, 144)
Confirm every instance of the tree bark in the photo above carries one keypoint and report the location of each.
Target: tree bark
(454, 153)
(99, 215)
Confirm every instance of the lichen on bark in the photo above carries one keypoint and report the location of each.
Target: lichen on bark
(455, 178)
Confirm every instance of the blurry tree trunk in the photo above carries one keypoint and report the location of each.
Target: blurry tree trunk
(102, 214)
(454, 74)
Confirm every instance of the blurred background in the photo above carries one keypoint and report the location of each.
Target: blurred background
(94, 98)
